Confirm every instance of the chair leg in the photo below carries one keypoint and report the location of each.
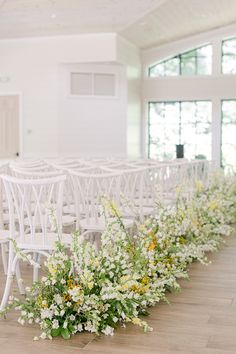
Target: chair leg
(36, 269)
(19, 279)
(9, 280)
(4, 257)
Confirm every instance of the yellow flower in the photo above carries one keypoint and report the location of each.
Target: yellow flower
(90, 285)
(67, 297)
(96, 263)
(137, 321)
(213, 205)
(111, 208)
(51, 269)
(152, 246)
(134, 288)
(182, 240)
(145, 280)
(44, 304)
(124, 287)
(125, 278)
(70, 283)
(199, 186)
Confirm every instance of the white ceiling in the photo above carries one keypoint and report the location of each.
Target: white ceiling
(144, 22)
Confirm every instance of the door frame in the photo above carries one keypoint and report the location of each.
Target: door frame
(20, 96)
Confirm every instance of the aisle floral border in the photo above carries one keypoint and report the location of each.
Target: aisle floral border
(85, 289)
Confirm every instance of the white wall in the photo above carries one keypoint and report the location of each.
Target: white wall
(34, 70)
(129, 55)
(54, 123)
(93, 126)
(215, 87)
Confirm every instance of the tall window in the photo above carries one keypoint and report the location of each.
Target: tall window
(228, 134)
(197, 61)
(229, 56)
(185, 122)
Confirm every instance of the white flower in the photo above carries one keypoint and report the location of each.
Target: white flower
(76, 294)
(108, 331)
(36, 338)
(58, 299)
(43, 335)
(55, 324)
(72, 317)
(21, 321)
(46, 313)
(80, 328)
(63, 281)
(65, 324)
(62, 312)
(90, 327)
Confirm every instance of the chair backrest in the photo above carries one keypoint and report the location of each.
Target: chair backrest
(24, 163)
(36, 203)
(28, 167)
(25, 173)
(88, 191)
(132, 180)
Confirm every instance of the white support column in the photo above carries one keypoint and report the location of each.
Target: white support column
(216, 131)
(216, 56)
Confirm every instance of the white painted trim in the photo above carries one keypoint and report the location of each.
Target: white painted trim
(57, 37)
(215, 87)
(21, 130)
(96, 97)
(152, 55)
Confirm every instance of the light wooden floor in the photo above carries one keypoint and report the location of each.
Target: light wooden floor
(200, 320)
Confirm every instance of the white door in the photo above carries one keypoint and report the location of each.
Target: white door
(9, 126)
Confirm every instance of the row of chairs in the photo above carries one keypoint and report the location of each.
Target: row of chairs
(41, 198)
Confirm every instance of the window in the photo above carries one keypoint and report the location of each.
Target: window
(93, 84)
(185, 122)
(197, 61)
(228, 134)
(81, 84)
(229, 56)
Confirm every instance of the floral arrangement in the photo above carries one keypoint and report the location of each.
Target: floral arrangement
(85, 289)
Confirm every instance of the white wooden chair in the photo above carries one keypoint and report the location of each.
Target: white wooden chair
(88, 190)
(67, 220)
(40, 202)
(4, 233)
(133, 189)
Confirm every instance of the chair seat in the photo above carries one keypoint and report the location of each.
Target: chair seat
(38, 244)
(100, 224)
(5, 217)
(146, 201)
(144, 211)
(69, 209)
(68, 220)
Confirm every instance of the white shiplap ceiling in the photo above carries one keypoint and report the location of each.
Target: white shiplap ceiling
(144, 22)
